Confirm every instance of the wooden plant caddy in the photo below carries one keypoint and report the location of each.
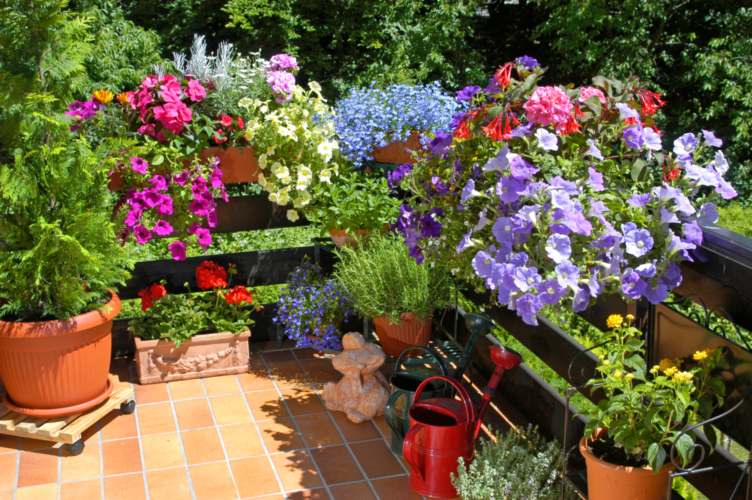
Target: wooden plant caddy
(66, 430)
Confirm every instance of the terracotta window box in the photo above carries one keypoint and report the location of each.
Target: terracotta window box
(206, 355)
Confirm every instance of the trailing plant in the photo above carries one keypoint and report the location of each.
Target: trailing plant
(384, 281)
(519, 465)
(644, 410)
(312, 307)
(555, 196)
(353, 201)
(59, 255)
(370, 117)
(178, 318)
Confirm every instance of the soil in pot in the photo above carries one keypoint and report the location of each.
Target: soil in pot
(605, 448)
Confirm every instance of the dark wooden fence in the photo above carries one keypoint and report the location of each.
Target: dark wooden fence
(720, 277)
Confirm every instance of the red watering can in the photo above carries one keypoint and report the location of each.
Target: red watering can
(443, 430)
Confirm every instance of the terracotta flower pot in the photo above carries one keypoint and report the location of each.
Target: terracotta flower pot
(342, 238)
(205, 355)
(395, 151)
(607, 481)
(58, 368)
(411, 331)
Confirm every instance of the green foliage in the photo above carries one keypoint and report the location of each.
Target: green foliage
(342, 43)
(737, 218)
(382, 279)
(520, 465)
(353, 201)
(58, 250)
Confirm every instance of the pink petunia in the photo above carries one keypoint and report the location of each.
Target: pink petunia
(216, 178)
(548, 105)
(181, 178)
(133, 218)
(195, 91)
(204, 238)
(143, 235)
(149, 82)
(162, 228)
(159, 183)
(212, 219)
(165, 208)
(139, 165)
(177, 249)
(147, 130)
(161, 137)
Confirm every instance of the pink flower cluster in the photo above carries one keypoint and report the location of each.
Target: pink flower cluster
(587, 92)
(548, 105)
(282, 84)
(162, 99)
(281, 62)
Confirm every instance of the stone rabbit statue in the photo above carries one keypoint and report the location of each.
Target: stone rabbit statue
(363, 391)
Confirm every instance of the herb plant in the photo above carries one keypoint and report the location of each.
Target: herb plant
(178, 318)
(370, 117)
(353, 201)
(645, 411)
(520, 465)
(311, 308)
(384, 281)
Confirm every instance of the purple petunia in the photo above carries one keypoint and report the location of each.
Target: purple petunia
(693, 233)
(139, 165)
(493, 86)
(527, 62)
(593, 150)
(143, 235)
(580, 225)
(483, 264)
(440, 144)
(558, 248)
(550, 292)
(634, 137)
(646, 270)
(581, 299)
(685, 145)
(638, 242)
(652, 139)
(162, 228)
(547, 140)
(631, 284)
(527, 308)
(467, 93)
(626, 111)
(502, 229)
(639, 200)
(500, 162)
(521, 169)
(656, 295)
(177, 248)
(526, 278)
(711, 139)
(596, 180)
(468, 192)
(567, 274)
(708, 213)
(508, 189)
(465, 242)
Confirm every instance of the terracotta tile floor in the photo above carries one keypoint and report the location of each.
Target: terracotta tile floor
(262, 435)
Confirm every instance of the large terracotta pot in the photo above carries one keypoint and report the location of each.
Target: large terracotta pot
(411, 331)
(205, 355)
(58, 368)
(607, 481)
(395, 152)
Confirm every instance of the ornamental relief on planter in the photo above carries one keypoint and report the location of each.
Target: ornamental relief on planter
(198, 363)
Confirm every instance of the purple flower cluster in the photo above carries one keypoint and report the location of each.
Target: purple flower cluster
(415, 227)
(282, 84)
(312, 308)
(83, 110)
(281, 62)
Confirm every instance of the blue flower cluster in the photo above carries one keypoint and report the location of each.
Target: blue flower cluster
(312, 308)
(371, 118)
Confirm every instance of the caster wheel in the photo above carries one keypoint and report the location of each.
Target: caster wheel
(128, 407)
(75, 449)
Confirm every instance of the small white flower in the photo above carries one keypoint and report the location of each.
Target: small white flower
(325, 149)
(262, 161)
(245, 102)
(282, 173)
(284, 199)
(276, 167)
(262, 180)
(325, 176)
(314, 86)
(264, 108)
(270, 150)
(292, 215)
(305, 172)
(286, 179)
(274, 198)
(302, 184)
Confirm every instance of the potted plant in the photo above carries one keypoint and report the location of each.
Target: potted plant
(386, 284)
(312, 307)
(517, 465)
(60, 262)
(194, 336)
(380, 124)
(546, 195)
(630, 432)
(352, 205)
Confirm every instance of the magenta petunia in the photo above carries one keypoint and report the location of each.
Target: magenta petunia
(163, 228)
(177, 249)
(143, 235)
(139, 165)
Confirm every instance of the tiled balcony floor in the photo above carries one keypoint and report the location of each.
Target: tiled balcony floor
(262, 435)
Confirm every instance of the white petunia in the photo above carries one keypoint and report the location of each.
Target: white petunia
(274, 198)
(306, 173)
(276, 167)
(245, 102)
(262, 180)
(282, 173)
(262, 161)
(292, 215)
(325, 176)
(314, 86)
(325, 149)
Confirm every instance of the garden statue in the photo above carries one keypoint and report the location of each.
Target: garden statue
(363, 391)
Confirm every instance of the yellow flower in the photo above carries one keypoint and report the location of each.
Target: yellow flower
(667, 364)
(630, 317)
(122, 97)
(670, 371)
(606, 362)
(617, 374)
(655, 370)
(103, 96)
(614, 320)
(700, 355)
(683, 377)
(630, 376)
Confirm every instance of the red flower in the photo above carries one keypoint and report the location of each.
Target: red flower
(218, 136)
(571, 126)
(226, 120)
(498, 132)
(504, 74)
(241, 123)
(671, 174)
(650, 102)
(156, 291)
(461, 132)
(210, 275)
(239, 294)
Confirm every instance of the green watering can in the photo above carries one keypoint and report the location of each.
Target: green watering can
(404, 384)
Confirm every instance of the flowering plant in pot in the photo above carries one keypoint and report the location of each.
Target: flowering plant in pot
(388, 285)
(352, 205)
(60, 262)
(552, 196)
(312, 308)
(370, 119)
(194, 335)
(643, 413)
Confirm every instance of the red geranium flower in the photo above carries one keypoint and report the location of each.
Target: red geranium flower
(241, 123)
(156, 291)
(226, 120)
(239, 294)
(210, 275)
(217, 136)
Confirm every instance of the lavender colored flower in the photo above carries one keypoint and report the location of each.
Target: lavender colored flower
(441, 143)
(493, 86)
(693, 233)
(719, 163)
(529, 213)
(467, 93)
(483, 221)
(704, 176)
(521, 169)
(500, 162)
(593, 150)
(639, 200)
(502, 229)
(711, 139)
(626, 111)
(725, 189)
(527, 308)
(596, 180)
(685, 145)
(631, 284)
(465, 242)
(547, 140)
(581, 299)
(646, 270)
(680, 246)
(638, 242)
(550, 292)
(567, 274)
(634, 137)
(668, 217)
(560, 229)
(597, 208)
(568, 186)
(558, 248)
(527, 62)
(469, 192)
(526, 278)
(656, 295)
(672, 277)
(522, 130)
(683, 204)
(561, 199)
(483, 264)
(281, 62)
(708, 213)
(508, 189)
(595, 285)
(580, 225)
(652, 139)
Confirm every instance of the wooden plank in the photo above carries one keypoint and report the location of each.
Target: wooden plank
(267, 267)
(4, 410)
(29, 426)
(50, 428)
(249, 213)
(72, 432)
(10, 420)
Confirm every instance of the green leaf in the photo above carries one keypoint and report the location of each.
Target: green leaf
(639, 170)
(158, 160)
(712, 436)
(683, 444)
(656, 457)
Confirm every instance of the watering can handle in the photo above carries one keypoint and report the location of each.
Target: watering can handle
(435, 355)
(390, 409)
(469, 408)
(407, 449)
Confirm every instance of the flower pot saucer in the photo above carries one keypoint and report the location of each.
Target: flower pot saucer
(61, 412)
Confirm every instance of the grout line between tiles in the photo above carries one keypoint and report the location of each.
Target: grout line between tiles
(18, 469)
(180, 440)
(263, 443)
(295, 423)
(221, 441)
(140, 450)
(101, 465)
(355, 459)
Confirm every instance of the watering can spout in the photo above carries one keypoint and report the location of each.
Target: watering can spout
(505, 359)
